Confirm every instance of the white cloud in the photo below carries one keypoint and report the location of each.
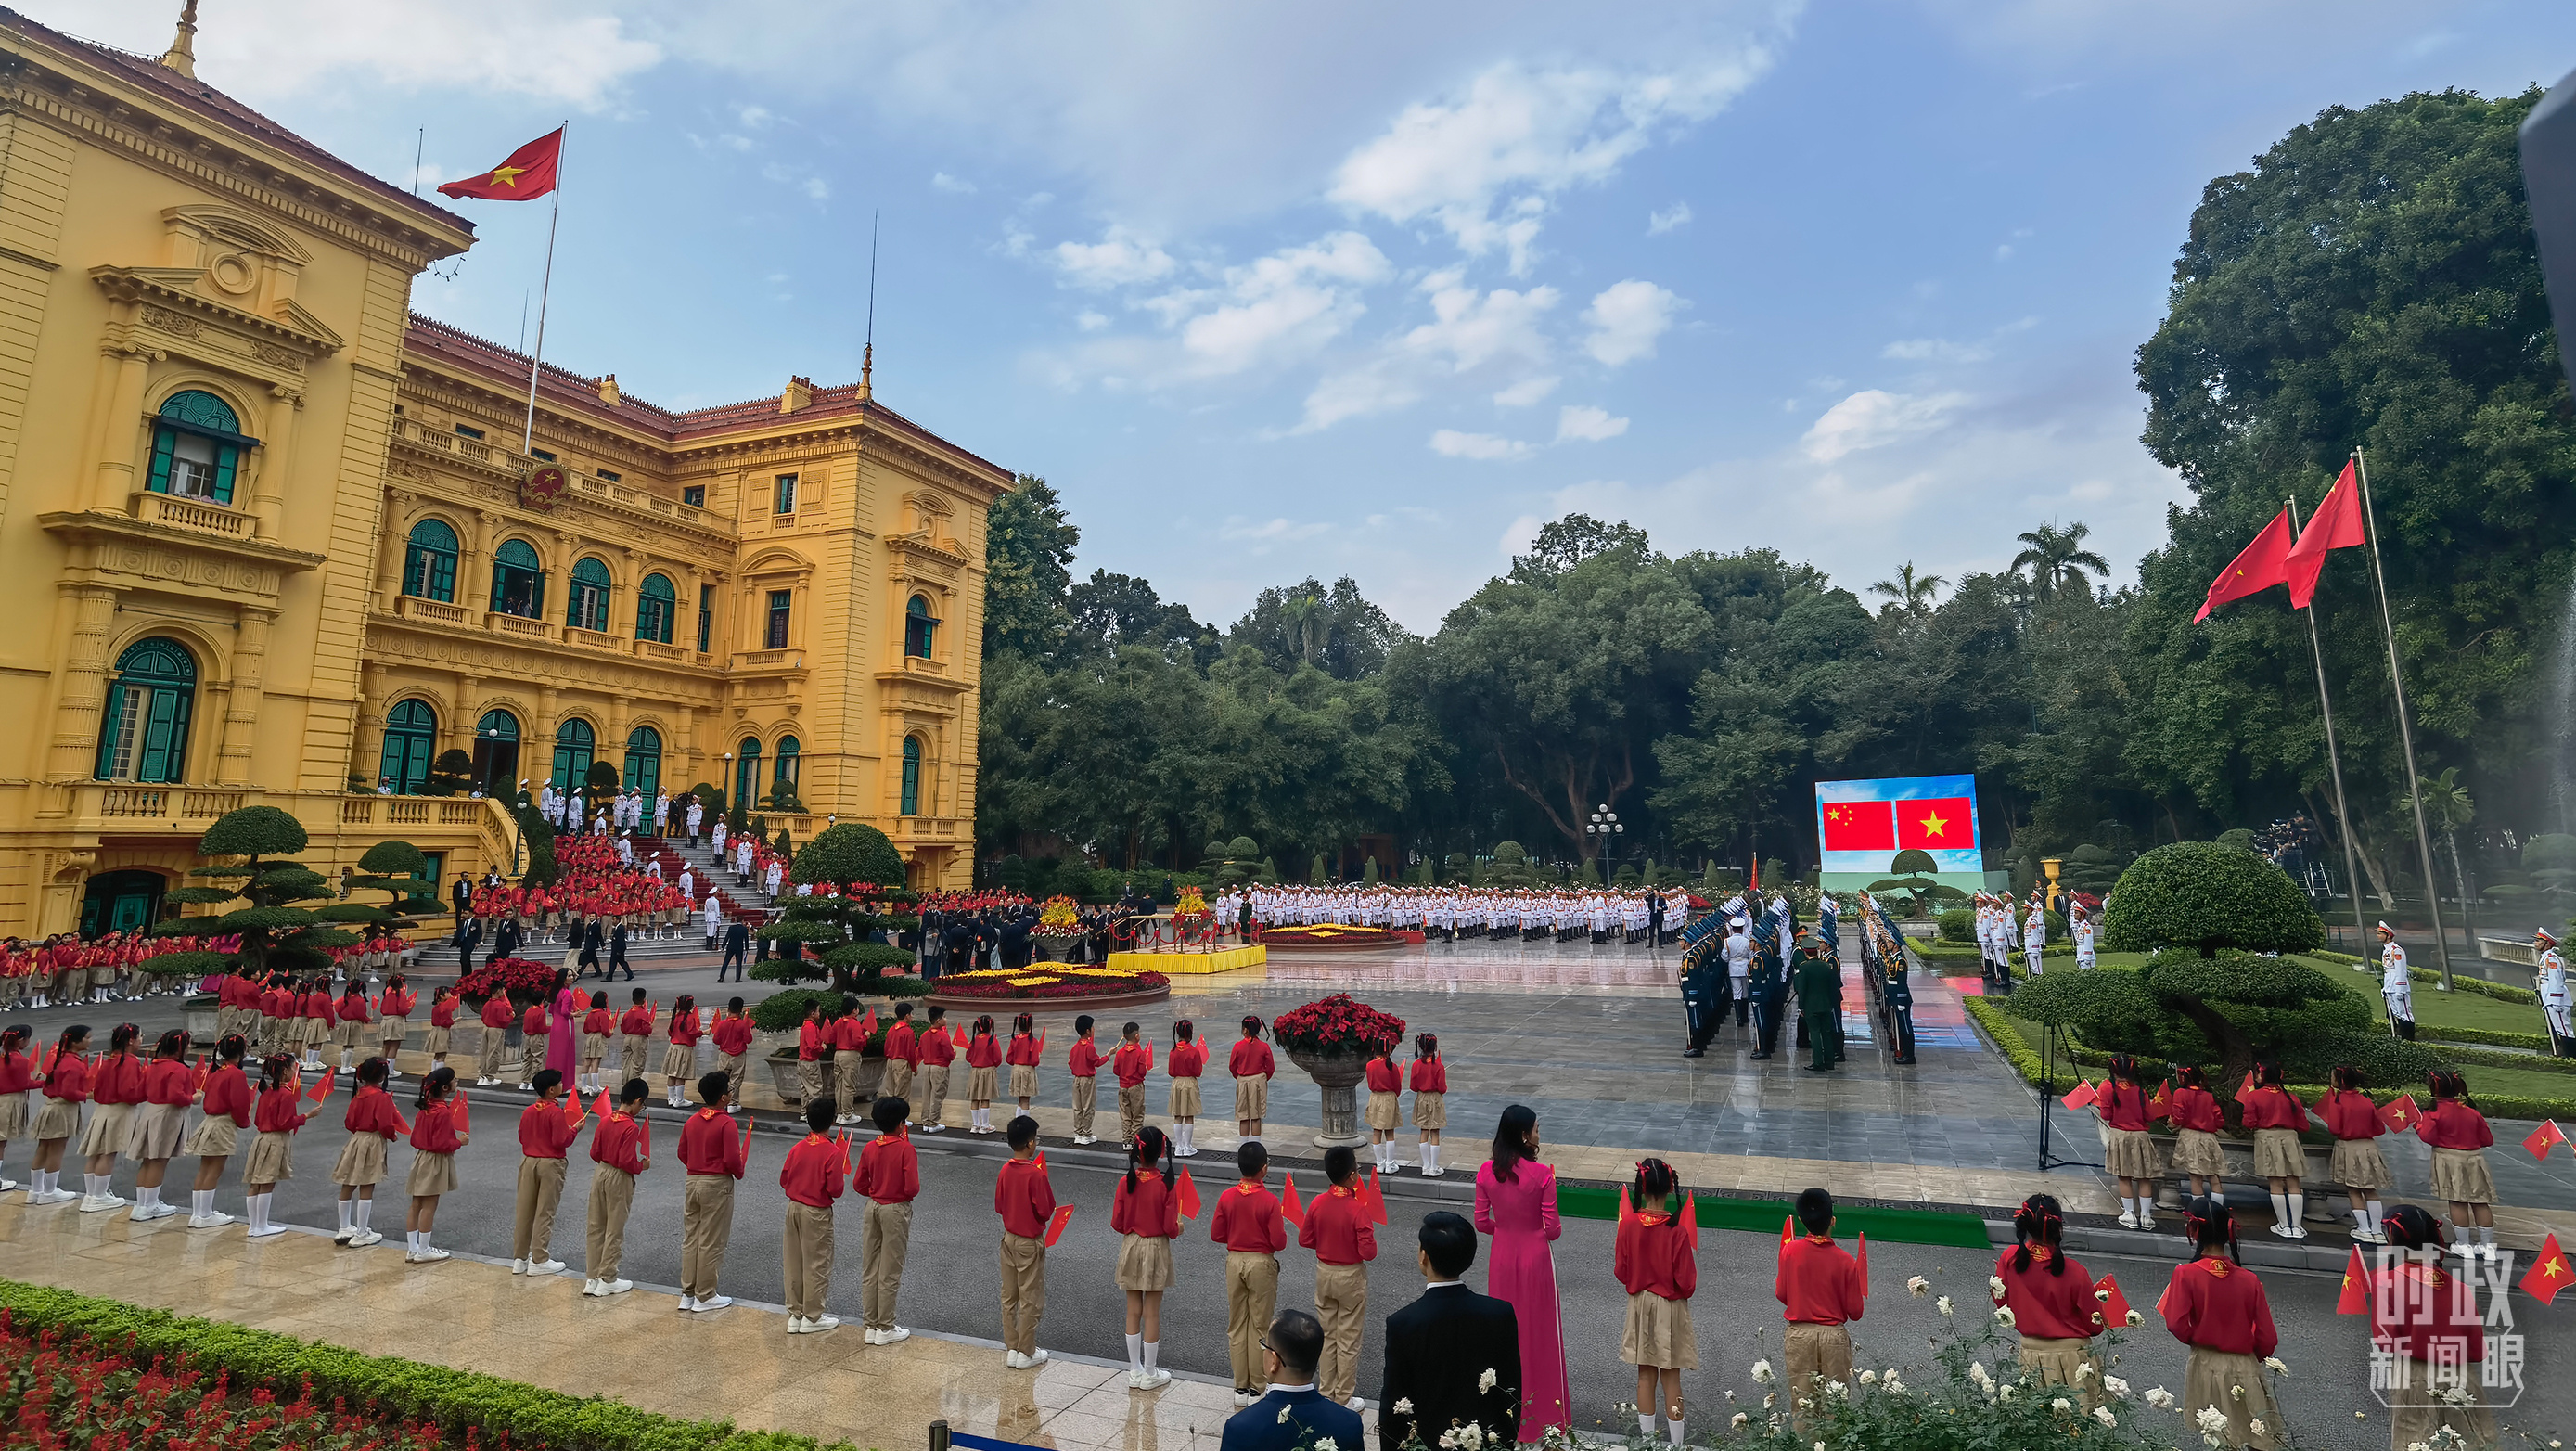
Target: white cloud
(1660, 222)
(1587, 423)
(953, 185)
(814, 187)
(1285, 304)
(1526, 392)
(1090, 320)
(1626, 318)
(1450, 443)
(1264, 532)
(1357, 393)
(1467, 331)
(1873, 418)
(1936, 350)
(754, 117)
(1120, 258)
(1485, 164)
(1470, 331)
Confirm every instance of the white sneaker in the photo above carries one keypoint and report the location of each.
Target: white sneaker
(53, 1196)
(893, 1335)
(518, 1267)
(1035, 1358)
(689, 1303)
(714, 1302)
(209, 1221)
(2285, 1231)
(1135, 1379)
(92, 1204)
(869, 1336)
(1245, 1398)
(596, 1288)
(1356, 1404)
(815, 1326)
(1013, 1360)
(366, 1237)
(615, 1287)
(2129, 1219)
(1154, 1379)
(430, 1256)
(265, 1233)
(545, 1267)
(7, 1184)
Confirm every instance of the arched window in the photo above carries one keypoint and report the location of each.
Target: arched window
(656, 607)
(496, 754)
(782, 777)
(575, 744)
(429, 562)
(411, 739)
(746, 774)
(918, 627)
(911, 775)
(588, 609)
(197, 446)
(644, 760)
(145, 734)
(518, 580)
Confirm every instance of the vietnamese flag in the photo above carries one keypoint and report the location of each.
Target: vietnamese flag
(2356, 1286)
(1289, 1207)
(1860, 826)
(2548, 1274)
(1189, 1191)
(529, 173)
(1938, 823)
(1055, 1225)
(1375, 1198)
(1627, 1211)
(1690, 1218)
(2115, 1306)
(2337, 525)
(2400, 1113)
(2256, 568)
(2544, 1138)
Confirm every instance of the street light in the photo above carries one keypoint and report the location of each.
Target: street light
(1604, 827)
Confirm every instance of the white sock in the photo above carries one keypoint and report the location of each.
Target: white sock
(2281, 1209)
(411, 1240)
(2146, 1207)
(2371, 1207)
(147, 1198)
(1434, 1152)
(348, 1215)
(1153, 1353)
(101, 1185)
(1680, 1438)
(2486, 1236)
(424, 1240)
(257, 1204)
(2298, 1208)
(2361, 1221)
(1135, 1352)
(366, 1211)
(201, 1202)
(1645, 1423)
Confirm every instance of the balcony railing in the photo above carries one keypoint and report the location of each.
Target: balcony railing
(415, 608)
(592, 639)
(501, 624)
(198, 516)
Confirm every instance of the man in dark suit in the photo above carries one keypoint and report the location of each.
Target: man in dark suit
(462, 894)
(1294, 1411)
(1453, 1356)
(737, 947)
(616, 951)
(1015, 940)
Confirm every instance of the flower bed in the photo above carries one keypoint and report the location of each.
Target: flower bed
(1048, 981)
(1337, 1024)
(1330, 935)
(524, 981)
(77, 1371)
(1059, 918)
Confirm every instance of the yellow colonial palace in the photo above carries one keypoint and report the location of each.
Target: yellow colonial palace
(266, 536)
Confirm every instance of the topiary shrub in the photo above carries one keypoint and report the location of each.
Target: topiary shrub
(2206, 896)
(1958, 924)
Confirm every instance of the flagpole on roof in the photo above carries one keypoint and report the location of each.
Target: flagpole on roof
(545, 290)
(2334, 763)
(2405, 730)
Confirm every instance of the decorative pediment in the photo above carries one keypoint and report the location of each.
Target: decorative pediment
(183, 306)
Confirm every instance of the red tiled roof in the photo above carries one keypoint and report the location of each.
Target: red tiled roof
(573, 395)
(205, 100)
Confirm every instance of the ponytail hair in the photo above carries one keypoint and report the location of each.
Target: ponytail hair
(2450, 1084)
(371, 1073)
(1656, 1180)
(684, 1004)
(984, 1026)
(172, 1044)
(2192, 1077)
(2039, 1219)
(1023, 1023)
(1251, 1026)
(2123, 1068)
(1150, 1144)
(15, 1037)
(2210, 1226)
(76, 1033)
(1184, 1030)
(1426, 1045)
(2267, 1073)
(231, 1047)
(2347, 1079)
(120, 1039)
(273, 1071)
(2412, 1227)
(436, 1087)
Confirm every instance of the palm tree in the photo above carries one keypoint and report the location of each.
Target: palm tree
(1309, 624)
(1912, 592)
(2448, 807)
(2057, 560)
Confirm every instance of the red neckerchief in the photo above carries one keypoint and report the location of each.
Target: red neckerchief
(2042, 1253)
(2218, 1269)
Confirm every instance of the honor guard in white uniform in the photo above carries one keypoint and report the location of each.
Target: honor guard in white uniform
(2082, 924)
(2554, 1001)
(2034, 936)
(2396, 984)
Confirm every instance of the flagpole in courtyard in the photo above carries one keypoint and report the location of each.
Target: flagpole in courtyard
(2405, 730)
(2334, 763)
(545, 290)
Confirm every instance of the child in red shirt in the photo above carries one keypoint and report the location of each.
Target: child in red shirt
(1337, 1229)
(372, 1122)
(715, 1155)
(2357, 1164)
(1246, 1221)
(812, 1178)
(2459, 1137)
(2197, 1119)
(1659, 1268)
(272, 1154)
(535, 1026)
(434, 1141)
(356, 1028)
(2131, 1154)
(732, 1036)
(889, 1179)
(1430, 1101)
(2217, 1307)
(1025, 1200)
(983, 1078)
(496, 1019)
(1821, 1289)
(1188, 1061)
(680, 1060)
(620, 1150)
(1082, 1063)
(547, 1129)
(635, 1025)
(902, 1053)
(938, 1051)
(1023, 1056)
(1251, 1064)
(598, 1025)
(393, 1021)
(1386, 1107)
(1147, 1210)
(442, 1024)
(2277, 1117)
(1131, 1060)
(227, 1101)
(2050, 1298)
(2434, 1338)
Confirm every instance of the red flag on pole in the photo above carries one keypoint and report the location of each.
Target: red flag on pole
(605, 1106)
(2544, 1138)
(572, 1109)
(1627, 1211)
(529, 173)
(1375, 1198)
(2257, 567)
(2400, 1114)
(1787, 1233)
(2115, 1306)
(1189, 1192)
(1055, 1225)
(2245, 1090)
(1289, 1208)
(464, 1112)
(322, 1090)
(2356, 1286)
(2549, 1274)
(2080, 1096)
(2337, 525)
(1863, 1257)
(1690, 1218)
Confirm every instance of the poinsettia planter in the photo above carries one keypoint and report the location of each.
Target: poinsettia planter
(782, 1076)
(1337, 1074)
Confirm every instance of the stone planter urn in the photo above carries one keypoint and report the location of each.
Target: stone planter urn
(1337, 1074)
(2325, 1199)
(1052, 949)
(200, 1008)
(782, 1076)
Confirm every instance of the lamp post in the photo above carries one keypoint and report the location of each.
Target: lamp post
(1604, 828)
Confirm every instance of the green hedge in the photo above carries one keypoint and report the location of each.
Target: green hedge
(387, 1387)
(2501, 992)
(2453, 1033)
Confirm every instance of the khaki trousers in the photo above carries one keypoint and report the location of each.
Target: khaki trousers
(612, 1193)
(630, 1063)
(845, 1078)
(730, 1065)
(1251, 1294)
(1086, 1100)
(541, 1184)
(807, 1252)
(1813, 1352)
(934, 1090)
(809, 1079)
(885, 1231)
(1023, 1291)
(706, 1228)
(2419, 1406)
(1131, 1112)
(489, 1065)
(1341, 1302)
(898, 1079)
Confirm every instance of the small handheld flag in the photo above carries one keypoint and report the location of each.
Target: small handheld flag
(322, 1089)
(1690, 1218)
(1863, 1257)
(2080, 1096)
(572, 1109)
(2355, 1299)
(2549, 1273)
(464, 1110)
(2543, 1139)
(1627, 1211)
(2245, 1090)
(605, 1106)
(2400, 1114)
(1375, 1198)
(2115, 1308)
(1055, 1225)
(1289, 1208)
(1787, 1231)
(1189, 1195)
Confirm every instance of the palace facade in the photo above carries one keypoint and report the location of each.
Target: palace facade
(268, 537)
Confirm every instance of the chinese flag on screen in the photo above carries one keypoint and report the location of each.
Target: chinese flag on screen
(1941, 823)
(1860, 826)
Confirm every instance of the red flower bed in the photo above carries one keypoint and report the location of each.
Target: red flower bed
(522, 980)
(1337, 1024)
(983, 985)
(55, 1394)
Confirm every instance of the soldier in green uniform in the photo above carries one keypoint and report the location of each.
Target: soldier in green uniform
(1819, 986)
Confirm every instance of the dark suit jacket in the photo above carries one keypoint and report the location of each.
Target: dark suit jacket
(1437, 1348)
(1257, 1427)
(737, 938)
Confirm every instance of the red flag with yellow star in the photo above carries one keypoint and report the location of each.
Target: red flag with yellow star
(1939, 823)
(2356, 1286)
(526, 176)
(2549, 1274)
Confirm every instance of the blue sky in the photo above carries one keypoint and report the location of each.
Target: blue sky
(1270, 291)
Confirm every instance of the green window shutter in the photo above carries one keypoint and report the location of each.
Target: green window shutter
(163, 441)
(227, 458)
(111, 721)
(161, 754)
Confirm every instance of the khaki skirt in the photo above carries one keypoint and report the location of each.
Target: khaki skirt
(109, 1123)
(156, 1131)
(272, 1157)
(1024, 1080)
(2358, 1164)
(13, 1117)
(214, 1137)
(2460, 1177)
(1386, 1112)
(979, 1084)
(2132, 1154)
(434, 1042)
(1185, 1098)
(1658, 1333)
(362, 1161)
(1431, 1111)
(2212, 1378)
(1252, 1097)
(678, 1059)
(58, 1119)
(355, 1034)
(594, 1051)
(392, 1030)
(432, 1174)
(2056, 1362)
(2277, 1154)
(2196, 1151)
(1145, 1264)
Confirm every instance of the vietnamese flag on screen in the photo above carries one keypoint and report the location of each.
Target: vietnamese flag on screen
(1937, 823)
(1860, 826)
